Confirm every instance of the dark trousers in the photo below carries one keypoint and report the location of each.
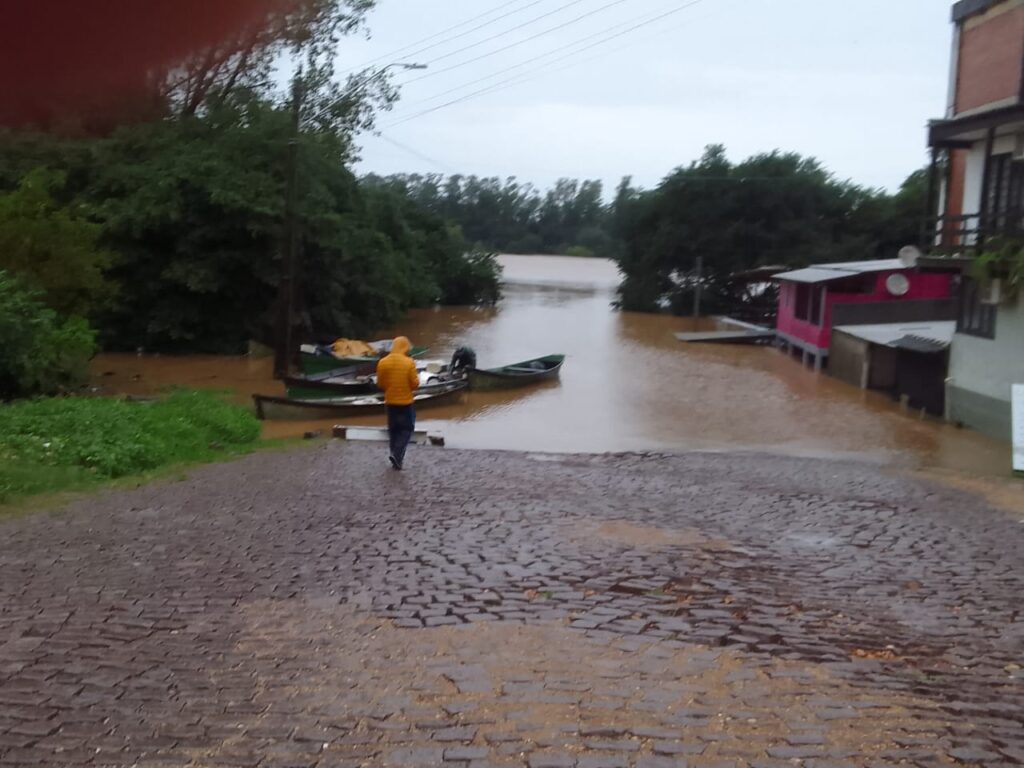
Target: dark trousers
(401, 425)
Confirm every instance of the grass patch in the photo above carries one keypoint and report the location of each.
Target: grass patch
(71, 444)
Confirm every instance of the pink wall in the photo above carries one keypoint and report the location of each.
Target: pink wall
(923, 285)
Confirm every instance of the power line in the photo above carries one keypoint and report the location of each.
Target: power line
(509, 31)
(495, 52)
(521, 64)
(501, 85)
(405, 51)
(417, 153)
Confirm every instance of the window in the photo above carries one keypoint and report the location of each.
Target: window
(817, 292)
(1005, 193)
(803, 301)
(975, 318)
(808, 303)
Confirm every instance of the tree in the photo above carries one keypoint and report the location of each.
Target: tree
(40, 353)
(51, 247)
(772, 209)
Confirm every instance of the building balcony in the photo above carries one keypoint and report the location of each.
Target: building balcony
(965, 236)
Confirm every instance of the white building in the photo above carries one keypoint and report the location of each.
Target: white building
(977, 187)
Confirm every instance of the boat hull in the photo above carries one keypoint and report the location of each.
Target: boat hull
(509, 378)
(311, 389)
(318, 364)
(284, 408)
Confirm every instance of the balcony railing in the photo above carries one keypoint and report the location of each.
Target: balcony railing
(967, 234)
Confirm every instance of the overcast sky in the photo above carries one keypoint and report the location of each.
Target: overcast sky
(851, 83)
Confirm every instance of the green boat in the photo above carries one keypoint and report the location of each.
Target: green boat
(317, 388)
(325, 362)
(517, 375)
(359, 405)
(348, 382)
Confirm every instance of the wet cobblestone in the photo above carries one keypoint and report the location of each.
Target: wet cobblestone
(314, 609)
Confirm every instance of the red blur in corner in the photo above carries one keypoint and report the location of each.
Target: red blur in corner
(80, 64)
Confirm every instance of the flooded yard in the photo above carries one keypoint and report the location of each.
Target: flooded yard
(627, 384)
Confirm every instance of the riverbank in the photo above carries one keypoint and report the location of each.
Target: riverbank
(60, 445)
(627, 384)
(518, 609)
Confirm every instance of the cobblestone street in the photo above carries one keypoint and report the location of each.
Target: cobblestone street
(313, 608)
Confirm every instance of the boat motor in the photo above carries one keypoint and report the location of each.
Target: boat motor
(463, 359)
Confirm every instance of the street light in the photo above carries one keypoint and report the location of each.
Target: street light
(286, 288)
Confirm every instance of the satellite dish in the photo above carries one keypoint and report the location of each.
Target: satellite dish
(897, 284)
(909, 255)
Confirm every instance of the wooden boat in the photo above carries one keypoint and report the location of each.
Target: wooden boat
(517, 375)
(359, 405)
(356, 381)
(326, 362)
(322, 387)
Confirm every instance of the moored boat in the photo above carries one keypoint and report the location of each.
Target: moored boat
(268, 407)
(317, 388)
(518, 374)
(325, 361)
(351, 382)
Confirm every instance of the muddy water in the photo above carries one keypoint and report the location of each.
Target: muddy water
(627, 383)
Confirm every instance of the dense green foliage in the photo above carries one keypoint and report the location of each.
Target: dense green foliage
(51, 247)
(194, 210)
(71, 443)
(772, 209)
(40, 352)
(512, 217)
(170, 234)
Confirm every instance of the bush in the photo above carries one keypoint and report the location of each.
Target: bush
(473, 278)
(69, 442)
(40, 354)
(580, 251)
(51, 248)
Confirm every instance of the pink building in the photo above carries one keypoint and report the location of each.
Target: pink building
(815, 300)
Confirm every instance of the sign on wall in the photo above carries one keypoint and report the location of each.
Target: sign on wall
(1018, 427)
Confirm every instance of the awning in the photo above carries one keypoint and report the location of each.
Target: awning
(928, 337)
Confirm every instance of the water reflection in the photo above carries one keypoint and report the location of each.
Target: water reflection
(627, 383)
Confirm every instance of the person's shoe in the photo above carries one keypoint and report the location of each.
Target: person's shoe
(394, 463)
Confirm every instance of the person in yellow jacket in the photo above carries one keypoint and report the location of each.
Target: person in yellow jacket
(398, 378)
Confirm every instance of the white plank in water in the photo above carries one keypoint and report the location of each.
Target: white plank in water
(375, 434)
(380, 435)
(1018, 427)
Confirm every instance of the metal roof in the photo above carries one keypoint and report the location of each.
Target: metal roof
(823, 273)
(916, 337)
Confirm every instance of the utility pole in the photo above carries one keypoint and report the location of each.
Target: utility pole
(283, 349)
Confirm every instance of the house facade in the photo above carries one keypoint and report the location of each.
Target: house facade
(814, 300)
(977, 187)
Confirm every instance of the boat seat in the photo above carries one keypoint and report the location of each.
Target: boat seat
(515, 369)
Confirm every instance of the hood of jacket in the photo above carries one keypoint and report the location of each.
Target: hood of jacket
(401, 346)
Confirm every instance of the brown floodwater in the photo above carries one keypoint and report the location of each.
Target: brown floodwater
(627, 384)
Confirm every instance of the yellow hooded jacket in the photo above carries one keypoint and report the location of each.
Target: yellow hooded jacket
(397, 375)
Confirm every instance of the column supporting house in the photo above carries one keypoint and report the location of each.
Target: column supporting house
(945, 235)
(931, 206)
(986, 184)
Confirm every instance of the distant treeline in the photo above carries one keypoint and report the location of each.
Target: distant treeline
(771, 209)
(509, 216)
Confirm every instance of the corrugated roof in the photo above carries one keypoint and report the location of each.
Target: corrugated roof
(918, 337)
(813, 275)
(823, 273)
